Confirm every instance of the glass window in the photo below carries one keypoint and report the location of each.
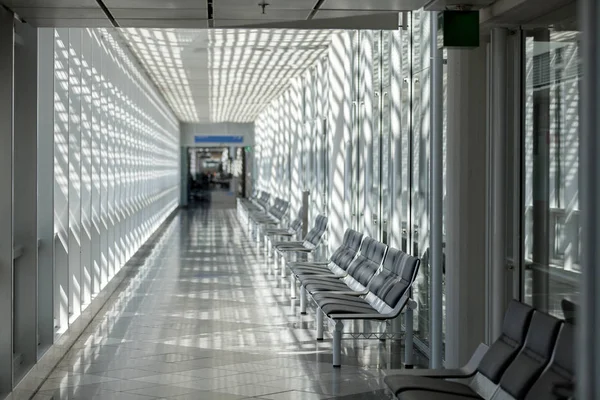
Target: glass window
(551, 208)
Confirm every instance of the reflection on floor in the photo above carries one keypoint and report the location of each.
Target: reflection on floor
(201, 317)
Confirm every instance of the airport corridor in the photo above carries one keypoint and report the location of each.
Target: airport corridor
(200, 315)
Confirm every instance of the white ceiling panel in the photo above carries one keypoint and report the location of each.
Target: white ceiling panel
(273, 4)
(158, 13)
(255, 13)
(222, 75)
(51, 3)
(343, 13)
(230, 23)
(155, 4)
(163, 23)
(69, 23)
(60, 13)
(381, 5)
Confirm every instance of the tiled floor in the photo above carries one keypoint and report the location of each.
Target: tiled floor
(200, 316)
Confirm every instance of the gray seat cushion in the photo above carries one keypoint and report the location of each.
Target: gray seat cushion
(333, 286)
(426, 395)
(420, 383)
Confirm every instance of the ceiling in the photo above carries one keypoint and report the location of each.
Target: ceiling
(193, 14)
(219, 75)
(224, 75)
(209, 73)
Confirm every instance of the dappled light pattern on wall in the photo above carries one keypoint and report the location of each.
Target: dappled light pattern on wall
(116, 163)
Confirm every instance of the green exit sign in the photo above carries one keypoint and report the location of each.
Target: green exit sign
(458, 28)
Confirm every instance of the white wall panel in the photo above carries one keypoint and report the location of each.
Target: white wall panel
(61, 178)
(74, 196)
(116, 163)
(86, 166)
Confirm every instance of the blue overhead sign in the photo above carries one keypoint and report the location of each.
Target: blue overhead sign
(218, 139)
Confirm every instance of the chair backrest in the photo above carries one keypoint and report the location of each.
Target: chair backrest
(528, 365)
(368, 261)
(569, 310)
(504, 350)
(343, 255)
(396, 277)
(280, 209)
(297, 223)
(313, 237)
(561, 370)
(275, 207)
(264, 200)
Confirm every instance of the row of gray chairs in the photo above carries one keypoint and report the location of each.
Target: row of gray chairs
(260, 215)
(290, 250)
(363, 280)
(532, 359)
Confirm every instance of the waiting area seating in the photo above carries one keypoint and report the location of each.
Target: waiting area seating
(532, 359)
(366, 280)
(363, 280)
(290, 249)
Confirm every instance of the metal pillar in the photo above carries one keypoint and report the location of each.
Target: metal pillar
(497, 146)
(588, 347)
(302, 300)
(319, 322)
(337, 344)
(6, 200)
(437, 195)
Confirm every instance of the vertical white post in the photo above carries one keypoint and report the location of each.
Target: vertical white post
(74, 165)
(61, 178)
(319, 322)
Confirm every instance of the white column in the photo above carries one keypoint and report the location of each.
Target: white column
(466, 200)
(74, 196)
(86, 166)
(96, 152)
(61, 178)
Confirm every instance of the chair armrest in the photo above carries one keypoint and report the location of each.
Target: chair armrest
(310, 263)
(372, 316)
(332, 275)
(348, 292)
(288, 244)
(467, 371)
